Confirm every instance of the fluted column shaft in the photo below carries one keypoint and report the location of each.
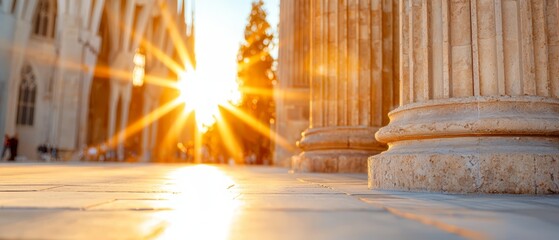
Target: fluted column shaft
(353, 62)
(292, 90)
(479, 109)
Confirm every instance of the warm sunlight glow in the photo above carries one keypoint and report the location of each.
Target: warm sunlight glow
(206, 72)
(258, 126)
(139, 69)
(203, 96)
(204, 207)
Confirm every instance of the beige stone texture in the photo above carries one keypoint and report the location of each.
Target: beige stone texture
(177, 201)
(332, 161)
(475, 172)
(359, 138)
(292, 91)
(353, 81)
(478, 100)
(337, 149)
(469, 145)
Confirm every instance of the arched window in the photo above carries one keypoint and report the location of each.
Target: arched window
(27, 96)
(44, 20)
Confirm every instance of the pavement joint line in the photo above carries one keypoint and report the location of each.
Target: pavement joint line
(330, 210)
(544, 204)
(23, 185)
(320, 184)
(375, 196)
(143, 199)
(46, 189)
(293, 193)
(462, 232)
(31, 190)
(28, 208)
(16, 191)
(132, 209)
(449, 228)
(147, 192)
(99, 204)
(79, 209)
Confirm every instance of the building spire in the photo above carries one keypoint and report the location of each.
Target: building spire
(192, 19)
(180, 6)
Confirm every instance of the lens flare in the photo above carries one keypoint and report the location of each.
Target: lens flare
(203, 96)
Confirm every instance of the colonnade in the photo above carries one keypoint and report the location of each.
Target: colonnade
(464, 93)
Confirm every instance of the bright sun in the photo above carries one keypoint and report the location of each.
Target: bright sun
(203, 96)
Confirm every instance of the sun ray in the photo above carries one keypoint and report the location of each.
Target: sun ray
(259, 127)
(251, 60)
(197, 145)
(107, 72)
(143, 122)
(176, 38)
(231, 144)
(177, 126)
(286, 94)
(162, 57)
(44, 59)
(160, 81)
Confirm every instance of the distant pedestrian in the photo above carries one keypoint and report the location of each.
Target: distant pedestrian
(53, 153)
(6, 146)
(42, 150)
(13, 148)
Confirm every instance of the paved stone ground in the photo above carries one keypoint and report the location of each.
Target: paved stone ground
(141, 201)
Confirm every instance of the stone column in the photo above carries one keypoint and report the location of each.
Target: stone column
(68, 82)
(146, 150)
(479, 109)
(352, 62)
(126, 98)
(292, 91)
(150, 104)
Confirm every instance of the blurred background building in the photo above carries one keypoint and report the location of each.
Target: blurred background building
(66, 72)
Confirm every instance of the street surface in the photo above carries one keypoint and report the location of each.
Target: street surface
(157, 201)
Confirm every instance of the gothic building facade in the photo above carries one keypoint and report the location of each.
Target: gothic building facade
(65, 70)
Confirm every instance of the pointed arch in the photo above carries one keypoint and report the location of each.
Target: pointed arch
(44, 19)
(27, 97)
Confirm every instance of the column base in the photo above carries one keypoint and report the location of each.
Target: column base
(336, 150)
(471, 145)
(331, 161)
(492, 171)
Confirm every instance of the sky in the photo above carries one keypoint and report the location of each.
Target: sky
(219, 31)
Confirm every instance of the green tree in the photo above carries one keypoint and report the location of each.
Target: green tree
(256, 80)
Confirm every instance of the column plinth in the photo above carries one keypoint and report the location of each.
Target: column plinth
(337, 149)
(474, 144)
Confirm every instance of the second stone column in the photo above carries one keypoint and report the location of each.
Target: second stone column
(353, 57)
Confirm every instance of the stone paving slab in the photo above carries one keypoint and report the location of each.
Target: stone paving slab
(143, 201)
